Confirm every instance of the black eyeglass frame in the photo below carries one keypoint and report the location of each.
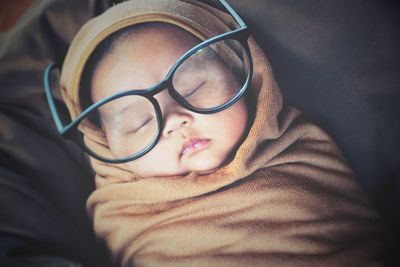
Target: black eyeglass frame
(70, 131)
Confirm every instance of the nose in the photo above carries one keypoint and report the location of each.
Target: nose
(175, 117)
(176, 121)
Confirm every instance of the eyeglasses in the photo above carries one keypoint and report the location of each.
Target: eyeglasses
(208, 78)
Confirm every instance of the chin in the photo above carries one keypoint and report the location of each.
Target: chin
(205, 163)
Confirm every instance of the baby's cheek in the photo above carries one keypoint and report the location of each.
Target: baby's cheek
(233, 122)
(160, 161)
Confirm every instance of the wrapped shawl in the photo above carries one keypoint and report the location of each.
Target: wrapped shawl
(287, 198)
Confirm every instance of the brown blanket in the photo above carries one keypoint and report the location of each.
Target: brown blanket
(286, 199)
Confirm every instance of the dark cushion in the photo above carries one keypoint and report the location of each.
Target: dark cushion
(44, 181)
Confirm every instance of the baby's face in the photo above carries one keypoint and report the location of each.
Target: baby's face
(189, 141)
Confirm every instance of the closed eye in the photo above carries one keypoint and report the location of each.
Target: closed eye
(147, 121)
(192, 92)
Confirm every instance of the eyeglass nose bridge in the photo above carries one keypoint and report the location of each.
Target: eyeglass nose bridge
(159, 87)
(166, 84)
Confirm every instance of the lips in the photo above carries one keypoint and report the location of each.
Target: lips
(193, 145)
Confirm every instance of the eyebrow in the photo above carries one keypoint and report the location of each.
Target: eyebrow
(206, 53)
(187, 65)
(118, 112)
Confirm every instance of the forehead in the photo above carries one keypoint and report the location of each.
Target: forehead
(139, 58)
(146, 34)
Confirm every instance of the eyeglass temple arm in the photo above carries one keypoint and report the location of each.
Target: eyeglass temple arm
(50, 99)
(234, 14)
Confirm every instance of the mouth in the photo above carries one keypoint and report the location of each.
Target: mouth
(194, 145)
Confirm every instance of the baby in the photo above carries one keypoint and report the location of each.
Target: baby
(197, 161)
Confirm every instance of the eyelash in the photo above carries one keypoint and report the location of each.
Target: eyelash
(194, 90)
(143, 124)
